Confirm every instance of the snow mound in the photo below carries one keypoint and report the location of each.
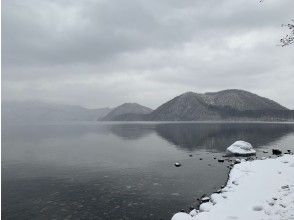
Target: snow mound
(265, 190)
(181, 216)
(241, 148)
(205, 207)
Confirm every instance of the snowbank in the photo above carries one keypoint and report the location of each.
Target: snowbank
(241, 148)
(261, 189)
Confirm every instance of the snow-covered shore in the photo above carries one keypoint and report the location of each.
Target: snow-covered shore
(260, 189)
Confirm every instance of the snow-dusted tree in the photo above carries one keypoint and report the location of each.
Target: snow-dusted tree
(289, 38)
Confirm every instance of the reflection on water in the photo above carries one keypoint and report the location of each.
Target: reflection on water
(217, 137)
(119, 170)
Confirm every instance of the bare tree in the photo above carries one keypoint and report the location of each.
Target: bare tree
(289, 38)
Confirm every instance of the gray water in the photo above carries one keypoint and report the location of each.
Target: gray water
(92, 170)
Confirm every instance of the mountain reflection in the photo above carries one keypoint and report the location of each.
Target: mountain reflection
(131, 131)
(219, 136)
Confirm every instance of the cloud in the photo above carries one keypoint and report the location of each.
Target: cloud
(102, 53)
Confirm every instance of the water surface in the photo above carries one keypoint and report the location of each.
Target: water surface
(92, 170)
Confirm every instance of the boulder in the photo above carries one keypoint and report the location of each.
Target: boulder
(277, 152)
(241, 148)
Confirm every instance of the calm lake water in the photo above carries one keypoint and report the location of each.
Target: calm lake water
(92, 170)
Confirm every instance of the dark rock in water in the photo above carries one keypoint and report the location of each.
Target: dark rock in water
(190, 155)
(265, 151)
(178, 164)
(182, 210)
(289, 151)
(221, 160)
(214, 158)
(200, 158)
(277, 152)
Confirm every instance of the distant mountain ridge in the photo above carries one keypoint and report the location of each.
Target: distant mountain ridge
(37, 111)
(127, 111)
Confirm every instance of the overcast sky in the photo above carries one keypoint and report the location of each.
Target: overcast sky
(99, 53)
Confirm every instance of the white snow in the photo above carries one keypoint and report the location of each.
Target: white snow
(241, 148)
(260, 189)
(181, 216)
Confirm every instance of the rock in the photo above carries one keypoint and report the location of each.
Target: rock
(241, 148)
(200, 158)
(218, 191)
(237, 161)
(265, 151)
(190, 155)
(205, 199)
(193, 212)
(177, 164)
(221, 160)
(191, 208)
(285, 187)
(276, 152)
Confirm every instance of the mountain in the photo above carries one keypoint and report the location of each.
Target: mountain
(230, 104)
(212, 105)
(36, 111)
(127, 112)
(240, 100)
(227, 105)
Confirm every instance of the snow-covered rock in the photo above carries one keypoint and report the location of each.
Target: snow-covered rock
(194, 212)
(205, 207)
(205, 199)
(265, 190)
(181, 216)
(241, 148)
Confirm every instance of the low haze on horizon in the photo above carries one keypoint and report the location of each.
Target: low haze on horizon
(97, 53)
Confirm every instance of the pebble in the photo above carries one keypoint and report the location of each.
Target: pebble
(177, 164)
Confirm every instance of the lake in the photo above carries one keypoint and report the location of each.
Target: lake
(93, 170)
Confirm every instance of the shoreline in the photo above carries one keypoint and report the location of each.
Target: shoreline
(222, 204)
